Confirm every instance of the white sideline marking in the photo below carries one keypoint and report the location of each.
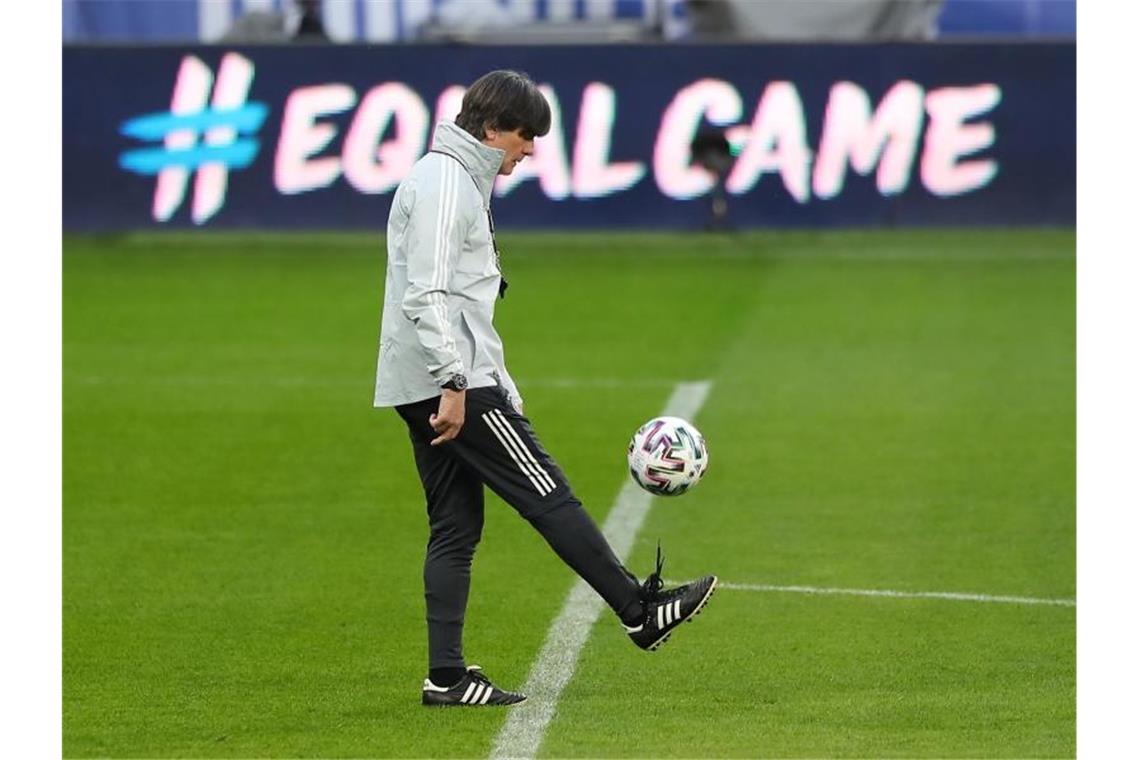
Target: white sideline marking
(952, 595)
(526, 724)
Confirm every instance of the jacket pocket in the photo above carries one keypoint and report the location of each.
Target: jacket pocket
(470, 355)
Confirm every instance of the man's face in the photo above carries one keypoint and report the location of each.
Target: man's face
(516, 146)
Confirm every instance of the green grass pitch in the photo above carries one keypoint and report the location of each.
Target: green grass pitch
(243, 534)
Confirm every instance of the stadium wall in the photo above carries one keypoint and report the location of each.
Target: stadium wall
(280, 137)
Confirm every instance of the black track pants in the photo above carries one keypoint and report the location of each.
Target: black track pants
(497, 448)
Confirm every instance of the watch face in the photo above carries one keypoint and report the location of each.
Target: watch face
(456, 383)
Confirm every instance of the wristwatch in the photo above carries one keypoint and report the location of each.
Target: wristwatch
(456, 382)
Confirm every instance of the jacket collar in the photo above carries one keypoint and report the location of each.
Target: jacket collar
(481, 161)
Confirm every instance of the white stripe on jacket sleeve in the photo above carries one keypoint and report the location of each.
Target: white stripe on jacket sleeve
(434, 225)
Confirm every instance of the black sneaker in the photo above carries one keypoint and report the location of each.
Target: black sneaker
(473, 689)
(665, 610)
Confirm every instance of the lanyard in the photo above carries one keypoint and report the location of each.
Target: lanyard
(503, 284)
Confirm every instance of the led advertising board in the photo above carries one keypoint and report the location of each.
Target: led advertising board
(819, 135)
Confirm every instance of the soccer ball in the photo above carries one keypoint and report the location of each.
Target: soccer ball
(667, 456)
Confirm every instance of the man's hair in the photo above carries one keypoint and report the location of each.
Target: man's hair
(505, 100)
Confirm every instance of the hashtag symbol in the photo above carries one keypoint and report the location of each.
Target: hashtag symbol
(190, 117)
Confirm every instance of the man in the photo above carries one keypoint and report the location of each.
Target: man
(441, 366)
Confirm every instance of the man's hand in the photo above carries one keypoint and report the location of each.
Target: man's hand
(448, 421)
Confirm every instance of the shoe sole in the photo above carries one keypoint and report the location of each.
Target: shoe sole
(688, 618)
(464, 704)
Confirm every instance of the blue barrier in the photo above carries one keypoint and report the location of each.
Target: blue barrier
(1008, 18)
(822, 135)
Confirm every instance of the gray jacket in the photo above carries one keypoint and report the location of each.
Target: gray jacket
(443, 275)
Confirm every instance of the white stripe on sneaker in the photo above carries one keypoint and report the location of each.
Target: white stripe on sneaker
(486, 696)
(470, 688)
(536, 468)
(677, 614)
(478, 693)
(661, 616)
